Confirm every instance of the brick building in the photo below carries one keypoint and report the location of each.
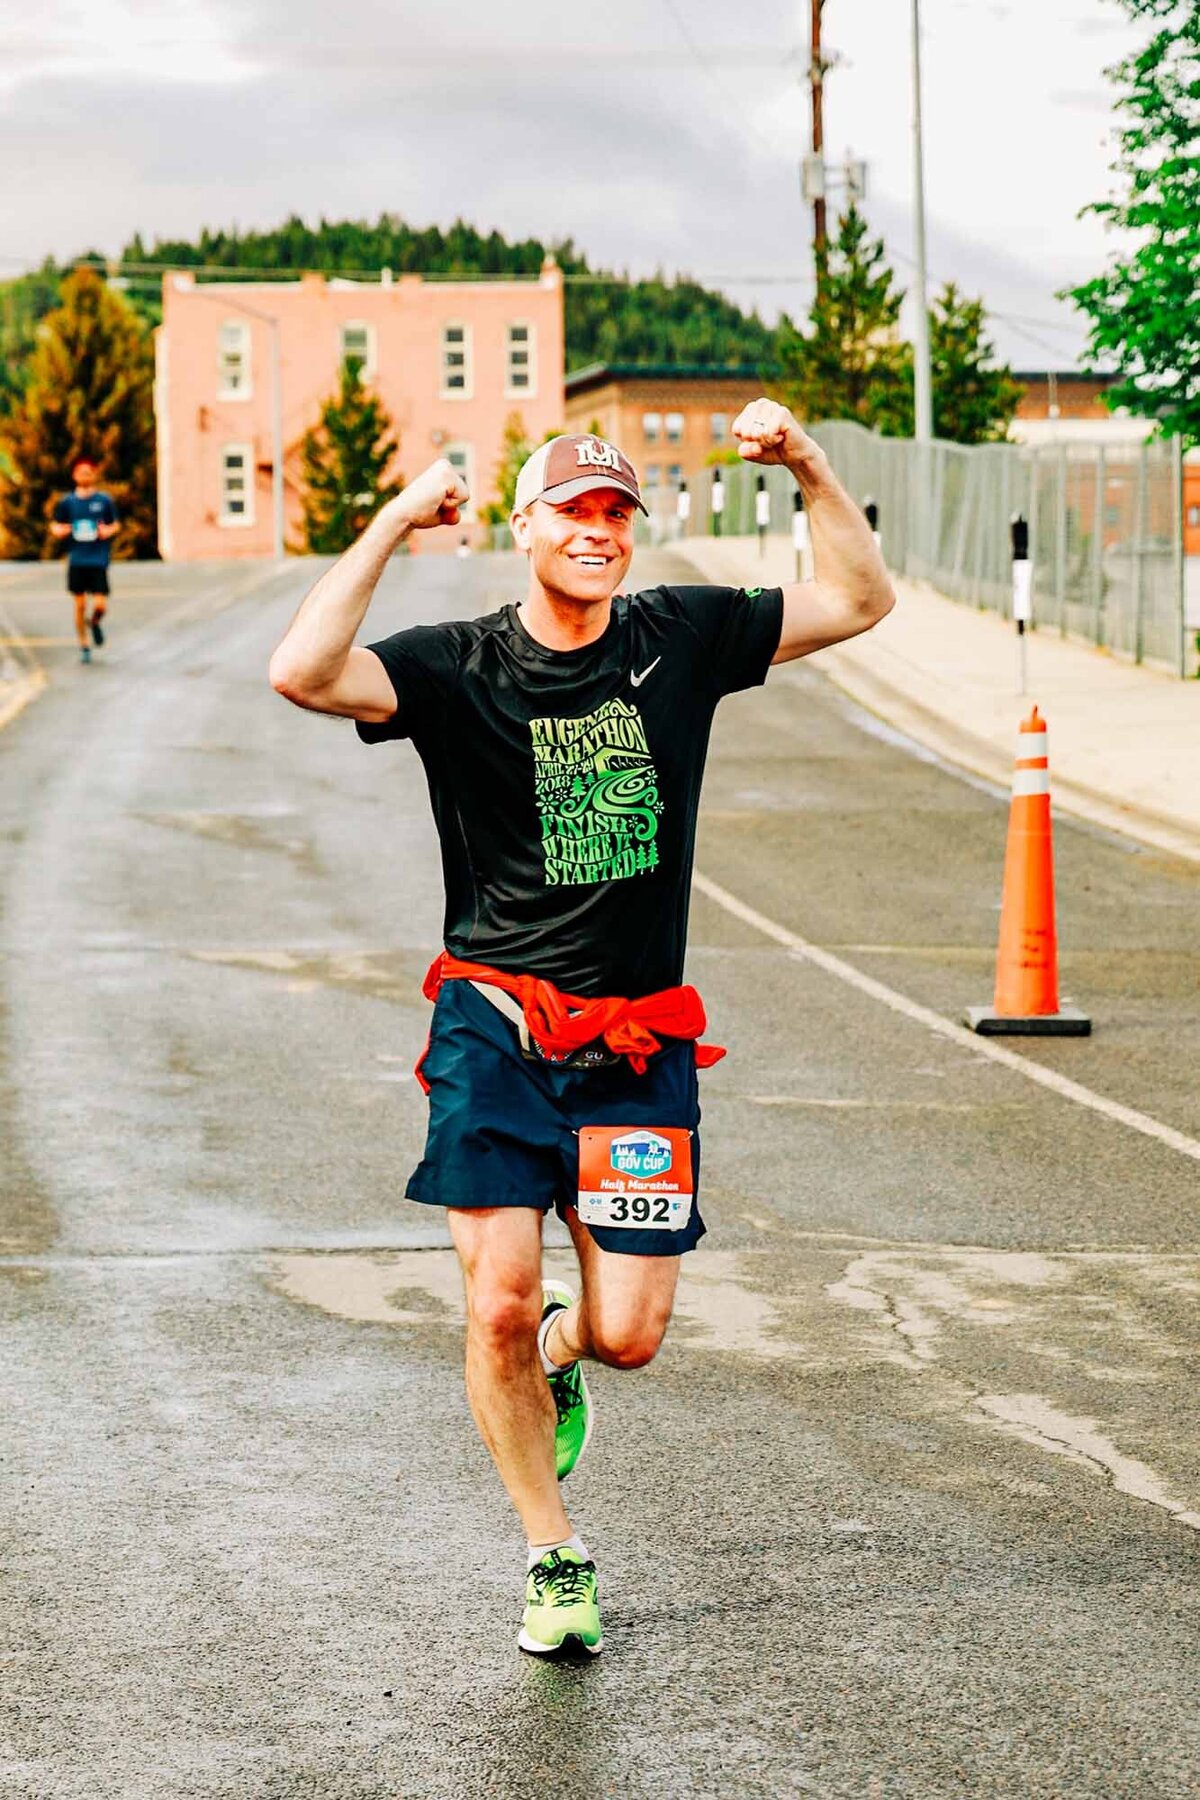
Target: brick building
(450, 360)
(1062, 394)
(669, 418)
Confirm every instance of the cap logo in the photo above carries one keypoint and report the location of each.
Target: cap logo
(594, 454)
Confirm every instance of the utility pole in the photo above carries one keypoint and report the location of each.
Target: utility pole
(816, 76)
(922, 380)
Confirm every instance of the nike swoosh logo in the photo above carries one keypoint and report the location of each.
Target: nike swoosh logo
(637, 680)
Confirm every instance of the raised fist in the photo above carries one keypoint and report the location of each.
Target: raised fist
(767, 433)
(434, 497)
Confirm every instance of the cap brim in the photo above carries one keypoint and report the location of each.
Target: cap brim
(587, 484)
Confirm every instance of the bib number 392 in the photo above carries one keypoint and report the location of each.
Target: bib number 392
(636, 1177)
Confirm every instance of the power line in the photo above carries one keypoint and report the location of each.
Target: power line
(149, 273)
(714, 79)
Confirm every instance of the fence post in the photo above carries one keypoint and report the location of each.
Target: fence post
(1060, 541)
(762, 512)
(965, 498)
(1098, 506)
(683, 508)
(1139, 534)
(933, 517)
(717, 501)
(1177, 566)
(1033, 529)
(1022, 588)
(800, 535)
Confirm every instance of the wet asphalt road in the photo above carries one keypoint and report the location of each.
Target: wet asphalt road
(909, 1505)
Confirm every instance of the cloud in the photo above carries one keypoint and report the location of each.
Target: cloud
(528, 119)
(1088, 100)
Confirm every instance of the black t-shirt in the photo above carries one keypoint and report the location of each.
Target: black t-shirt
(565, 783)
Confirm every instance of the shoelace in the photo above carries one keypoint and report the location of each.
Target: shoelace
(570, 1581)
(563, 1387)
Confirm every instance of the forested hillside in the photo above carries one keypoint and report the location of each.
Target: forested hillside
(608, 317)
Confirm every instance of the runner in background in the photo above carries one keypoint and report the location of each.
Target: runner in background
(88, 517)
(564, 741)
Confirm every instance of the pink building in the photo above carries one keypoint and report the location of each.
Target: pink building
(451, 360)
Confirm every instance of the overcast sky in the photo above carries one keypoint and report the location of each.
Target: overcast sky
(657, 133)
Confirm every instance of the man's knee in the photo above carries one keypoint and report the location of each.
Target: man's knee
(503, 1313)
(627, 1343)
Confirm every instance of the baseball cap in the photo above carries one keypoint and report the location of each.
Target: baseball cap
(567, 466)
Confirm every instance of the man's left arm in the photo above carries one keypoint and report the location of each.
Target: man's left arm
(110, 524)
(850, 590)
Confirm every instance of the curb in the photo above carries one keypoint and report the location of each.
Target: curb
(978, 756)
(957, 743)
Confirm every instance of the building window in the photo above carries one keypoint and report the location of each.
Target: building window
(674, 428)
(356, 338)
(718, 427)
(652, 427)
(237, 484)
(675, 475)
(233, 361)
(653, 476)
(456, 362)
(1193, 515)
(520, 366)
(461, 457)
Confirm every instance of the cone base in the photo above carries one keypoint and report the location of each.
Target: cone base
(1067, 1022)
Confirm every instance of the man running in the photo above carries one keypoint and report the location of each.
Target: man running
(564, 741)
(88, 517)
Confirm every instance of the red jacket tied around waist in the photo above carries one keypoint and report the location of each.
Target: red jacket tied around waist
(560, 1024)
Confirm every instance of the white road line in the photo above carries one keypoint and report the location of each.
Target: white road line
(957, 1034)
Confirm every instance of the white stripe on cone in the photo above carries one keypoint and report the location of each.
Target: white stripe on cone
(1031, 781)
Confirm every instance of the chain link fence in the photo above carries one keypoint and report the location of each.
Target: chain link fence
(1105, 526)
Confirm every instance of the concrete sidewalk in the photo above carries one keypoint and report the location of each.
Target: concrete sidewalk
(1124, 741)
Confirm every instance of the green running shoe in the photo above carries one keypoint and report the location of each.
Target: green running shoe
(560, 1605)
(572, 1401)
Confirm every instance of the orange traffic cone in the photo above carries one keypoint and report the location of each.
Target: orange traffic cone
(1026, 999)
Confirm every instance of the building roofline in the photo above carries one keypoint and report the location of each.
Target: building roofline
(1073, 374)
(596, 373)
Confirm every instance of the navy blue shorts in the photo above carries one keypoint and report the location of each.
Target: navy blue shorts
(502, 1129)
(86, 578)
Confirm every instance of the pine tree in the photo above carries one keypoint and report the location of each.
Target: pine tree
(974, 399)
(345, 461)
(515, 449)
(24, 303)
(90, 390)
(1145, 307)
(851, 362)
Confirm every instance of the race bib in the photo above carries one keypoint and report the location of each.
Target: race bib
(85, 531)
(638, 1177)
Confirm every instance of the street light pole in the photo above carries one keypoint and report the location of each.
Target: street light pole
(922, 380)
(816, 76)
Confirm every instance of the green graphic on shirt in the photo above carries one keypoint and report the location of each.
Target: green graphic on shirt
(597, 794)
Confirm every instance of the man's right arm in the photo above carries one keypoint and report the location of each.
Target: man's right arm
(318, 666)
